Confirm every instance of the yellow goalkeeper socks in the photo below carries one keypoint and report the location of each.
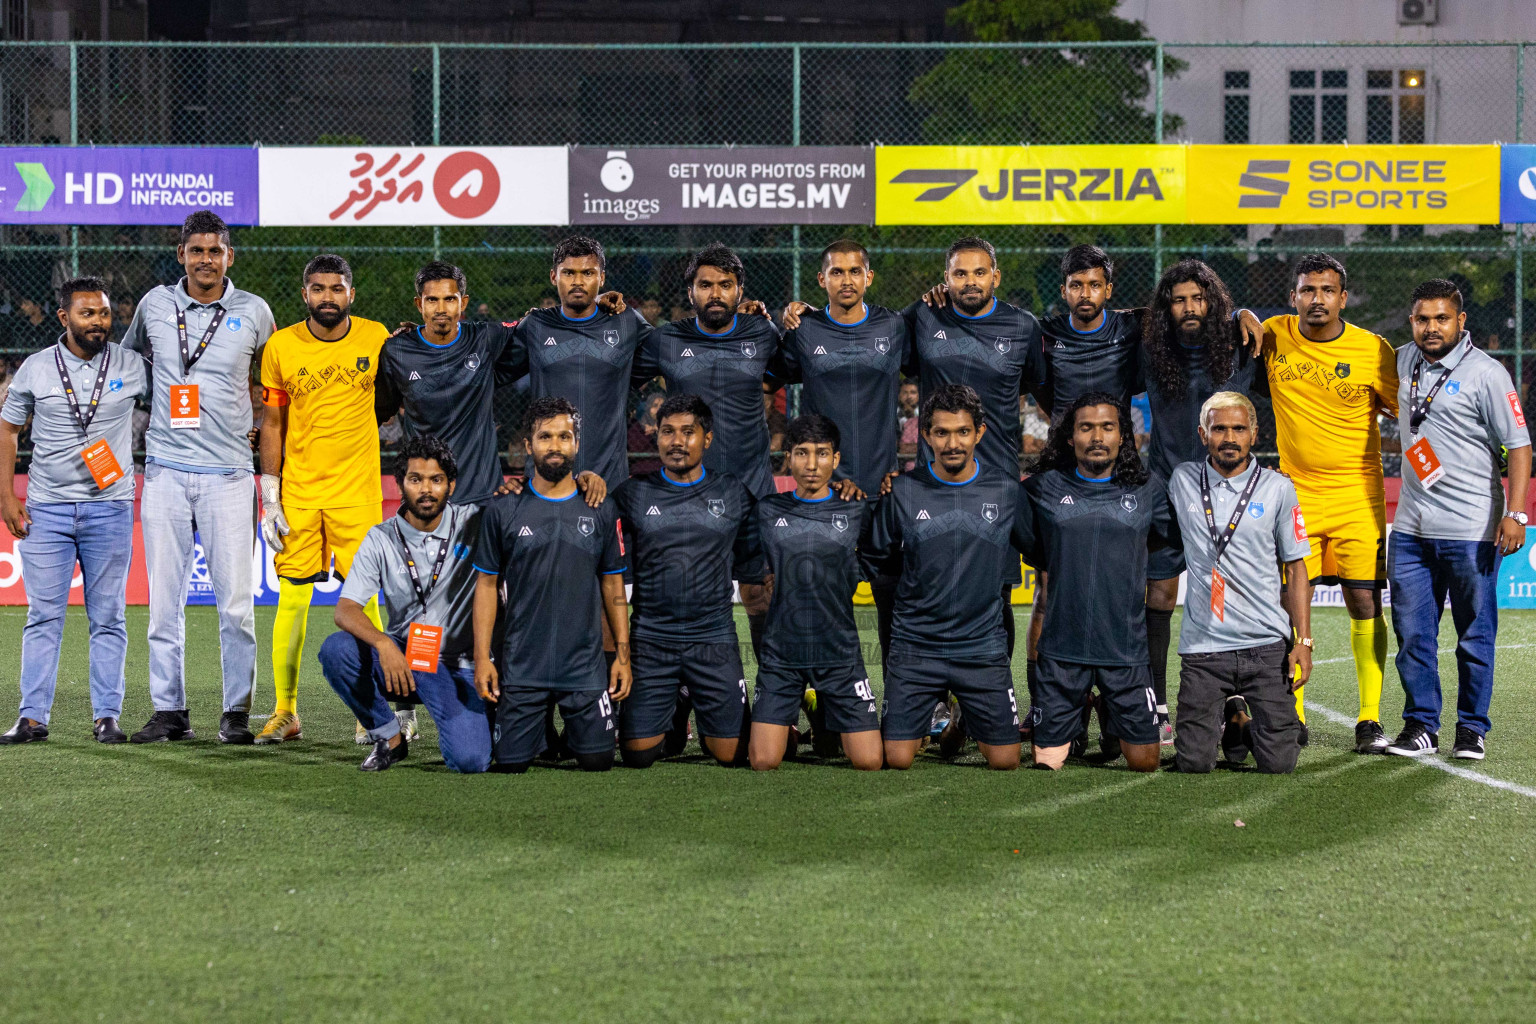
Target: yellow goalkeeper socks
(1368, 640)
(288, 628)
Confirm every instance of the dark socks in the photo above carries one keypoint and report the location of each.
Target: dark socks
(1159, 634)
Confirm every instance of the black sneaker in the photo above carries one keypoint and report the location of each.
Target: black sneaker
(1303, 737)
(235, 727)
(25, 731)
(1370, 737)
(384, 756)
(1234, 735)
(1413, 741)
(165, 727)
(676, 738)
(1469, 745)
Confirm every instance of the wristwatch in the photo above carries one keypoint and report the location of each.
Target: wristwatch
(1306, 642)
(1519, 517)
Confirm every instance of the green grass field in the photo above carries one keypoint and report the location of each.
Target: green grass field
(194, 882)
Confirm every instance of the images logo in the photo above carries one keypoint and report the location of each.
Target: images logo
(1272, 189)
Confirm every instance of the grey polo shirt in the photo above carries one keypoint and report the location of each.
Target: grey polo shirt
(379, 568)
(1272, 532)
(1476, 413)
(222, 374)
(58, 472)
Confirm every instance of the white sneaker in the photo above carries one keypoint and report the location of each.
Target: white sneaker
(360, 737)
(407, 722)
(1164, 731)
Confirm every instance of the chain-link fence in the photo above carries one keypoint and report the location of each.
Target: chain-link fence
(772, 94)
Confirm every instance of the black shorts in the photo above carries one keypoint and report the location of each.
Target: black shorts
(984, 688)
(1127, 708)
(844, 694)
(711, 676)
(1165, 563)
(517, 736)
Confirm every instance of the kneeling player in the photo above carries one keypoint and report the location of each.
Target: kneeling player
(1094, 511)
(945, 533)
(563, 563)
(686, 527)
(419, 561)
(811, 640)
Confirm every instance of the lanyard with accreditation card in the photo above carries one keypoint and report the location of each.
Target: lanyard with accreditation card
(1221, 538)
(423, 642)
(98, 457)
(186, 409)
(1421, 455)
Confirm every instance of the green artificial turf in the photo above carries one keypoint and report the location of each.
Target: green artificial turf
(195, 882)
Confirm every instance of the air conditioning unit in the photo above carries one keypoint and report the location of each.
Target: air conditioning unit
(1418, 12)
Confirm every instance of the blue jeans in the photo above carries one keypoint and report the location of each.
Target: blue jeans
(1421, 573)
(221, 507)
(463, 723)
(99, 535)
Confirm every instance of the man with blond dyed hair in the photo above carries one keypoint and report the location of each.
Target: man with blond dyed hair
(1246, 643)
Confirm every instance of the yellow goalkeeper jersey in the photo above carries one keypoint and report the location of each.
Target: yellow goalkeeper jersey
(1326, 397)
(331, 448)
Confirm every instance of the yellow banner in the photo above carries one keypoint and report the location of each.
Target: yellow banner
(1344, 184)
(1030, 184)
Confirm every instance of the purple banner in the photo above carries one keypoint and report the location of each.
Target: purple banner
(85, 185)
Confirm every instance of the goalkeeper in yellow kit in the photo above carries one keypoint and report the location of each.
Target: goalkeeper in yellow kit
(1328, 380)
(320, 491)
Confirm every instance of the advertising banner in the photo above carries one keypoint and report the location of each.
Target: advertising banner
(751, 185)
(82, 185)
(313, 186)
(1030, 184)
(1344, 184)
(1517, 184)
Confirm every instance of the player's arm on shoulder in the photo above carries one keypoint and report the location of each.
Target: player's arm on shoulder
(386, 389)
(880, 542)
(1386, 377)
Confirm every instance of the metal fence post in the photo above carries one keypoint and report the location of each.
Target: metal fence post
(74, 140)
(1157, 137)
(794, 271)
(437, 131)
(1519, 228)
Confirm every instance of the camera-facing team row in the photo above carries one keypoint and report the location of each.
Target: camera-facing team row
(508, 599)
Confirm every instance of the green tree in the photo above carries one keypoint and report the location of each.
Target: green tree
(1055, 95)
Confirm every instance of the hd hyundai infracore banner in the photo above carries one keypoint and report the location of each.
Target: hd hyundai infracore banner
(940, 185)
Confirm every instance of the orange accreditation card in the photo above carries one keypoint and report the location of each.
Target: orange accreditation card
(423, 644)
(102, 464)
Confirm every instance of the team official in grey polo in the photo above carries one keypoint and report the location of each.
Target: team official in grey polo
(1246, 641)
(79, 394)
(368, 668)
(201, 336)
(1459, 415)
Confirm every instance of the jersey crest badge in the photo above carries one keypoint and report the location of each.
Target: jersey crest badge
(232, 323)
(922, 514)
(611, 339)
(839, 522)
(989, 512)
(749, 349)
(653, 511)
(1128, 502)
(1452, 387)
(115, 384)
(820, 351)
(548, 342)
(472, 363)
(782, 522)
(414, 376)
(1256, 509)
(586, 526)
(716, 507)
(1003, 345)
(882, 345)
(525, 532)
(1342, 369)
(362, 364)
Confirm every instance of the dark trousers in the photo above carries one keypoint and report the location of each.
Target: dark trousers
(1422, 574)
(1258, 675)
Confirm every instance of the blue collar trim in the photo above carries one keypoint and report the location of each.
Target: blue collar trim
(948, 483)
(684, 483)
(420, 333)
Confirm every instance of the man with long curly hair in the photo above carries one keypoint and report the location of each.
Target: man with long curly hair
(1191, 349)
(1094, 512)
